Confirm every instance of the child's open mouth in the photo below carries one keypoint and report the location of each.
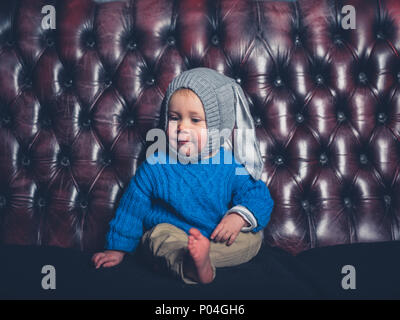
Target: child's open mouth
(181, 143)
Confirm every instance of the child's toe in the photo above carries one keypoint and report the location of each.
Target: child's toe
(195, 233)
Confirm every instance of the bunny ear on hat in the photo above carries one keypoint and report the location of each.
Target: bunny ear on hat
(246, 148)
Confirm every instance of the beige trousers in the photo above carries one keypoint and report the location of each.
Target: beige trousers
(169, 243)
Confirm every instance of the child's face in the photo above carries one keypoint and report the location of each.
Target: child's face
(187, 128)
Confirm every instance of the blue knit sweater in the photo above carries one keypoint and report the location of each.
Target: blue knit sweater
(185, 195)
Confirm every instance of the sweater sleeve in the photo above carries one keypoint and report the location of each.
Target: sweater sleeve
(126, 228)
(255, 196)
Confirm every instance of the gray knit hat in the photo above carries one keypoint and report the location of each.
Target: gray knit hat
(225, 108)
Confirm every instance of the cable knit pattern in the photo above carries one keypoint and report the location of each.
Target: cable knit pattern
(185, 195)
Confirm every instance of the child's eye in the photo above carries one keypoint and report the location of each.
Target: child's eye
(174, 118)
(196, 120)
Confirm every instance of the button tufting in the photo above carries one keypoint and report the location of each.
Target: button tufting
(363, 158)
(150, 81)
(215, 40)
(10, 43)
(305, 204)
(68, 83)
(28, 82)
(26, 161)
(382, 117)
(108, 82)
(132, 45)
(319, 79)
(130, 122)
(3, 201)
(323, 158)
(171, 40)
(46, 122)
(279, 160)
(106, 160)
(347, 202)
(49, 42)
(278, 82)
(362, 77)
(337, 39)
(90, 42)
(320, 95)
(299, 118)
(380, 35)
(41, 202)
(340, 116)
(86, 122)
(6, 119)
(65, 161)
(84, 204)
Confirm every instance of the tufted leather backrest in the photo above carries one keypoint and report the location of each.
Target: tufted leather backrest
(76, 103)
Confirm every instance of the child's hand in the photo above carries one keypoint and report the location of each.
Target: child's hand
(108, 258)
(228, 228)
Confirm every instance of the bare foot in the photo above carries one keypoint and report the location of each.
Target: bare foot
(199, 248)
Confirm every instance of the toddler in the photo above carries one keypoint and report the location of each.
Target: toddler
(195, 215)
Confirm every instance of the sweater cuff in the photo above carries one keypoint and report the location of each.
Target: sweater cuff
(125, 248)
(246, 215)
(115, 242)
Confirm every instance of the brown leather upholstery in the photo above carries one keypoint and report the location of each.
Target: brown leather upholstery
(77, 101)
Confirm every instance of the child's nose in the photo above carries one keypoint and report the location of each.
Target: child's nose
(183, 125)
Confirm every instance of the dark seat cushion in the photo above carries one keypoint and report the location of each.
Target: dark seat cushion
(273, 274)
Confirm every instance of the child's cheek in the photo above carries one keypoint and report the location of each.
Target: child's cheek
(202, 138)
(171, 133)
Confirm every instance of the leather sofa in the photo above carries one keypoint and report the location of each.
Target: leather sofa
(76, 103)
